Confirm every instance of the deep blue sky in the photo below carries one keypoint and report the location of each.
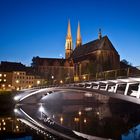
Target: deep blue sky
(38, 27)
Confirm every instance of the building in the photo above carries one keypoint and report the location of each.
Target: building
(86, 59)
(54, 70)
(95, 56)
(16, 76)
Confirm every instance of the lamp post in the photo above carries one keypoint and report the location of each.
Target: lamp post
(52, 77)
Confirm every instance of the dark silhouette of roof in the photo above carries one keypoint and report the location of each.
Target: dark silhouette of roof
(11, 66)
(50, 61)
(100, 44)
(6, 66)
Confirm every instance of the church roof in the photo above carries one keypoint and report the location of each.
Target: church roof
(50, 61)
(100, 44)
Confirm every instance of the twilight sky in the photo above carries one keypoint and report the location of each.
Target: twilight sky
(38, 27)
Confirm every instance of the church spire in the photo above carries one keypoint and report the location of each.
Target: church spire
(99, 34)
(68, 44)
(69, 30)
(78, 39)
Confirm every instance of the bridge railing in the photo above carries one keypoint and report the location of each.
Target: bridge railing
(106, 75)
(111, 74)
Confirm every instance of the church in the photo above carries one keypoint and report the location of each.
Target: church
(85, 59)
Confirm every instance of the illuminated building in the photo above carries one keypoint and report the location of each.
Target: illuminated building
(16, 76)
(53, 70)
(89, 58)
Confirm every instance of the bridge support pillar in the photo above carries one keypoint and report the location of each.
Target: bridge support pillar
(126, 89)
(138, 93)
(116, 86)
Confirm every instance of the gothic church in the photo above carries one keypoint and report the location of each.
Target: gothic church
(89, 58)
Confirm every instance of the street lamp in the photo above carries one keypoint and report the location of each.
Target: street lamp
(84, 77)
(79, 113)
(52, 79)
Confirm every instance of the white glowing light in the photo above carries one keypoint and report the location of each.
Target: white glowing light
(16, 98)
(41, 109)
(15, 110)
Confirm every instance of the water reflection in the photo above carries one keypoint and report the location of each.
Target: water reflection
(109, 120)
(96, 115)
(13, 125)
(12, 128)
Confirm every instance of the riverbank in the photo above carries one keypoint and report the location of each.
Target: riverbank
(6, 102)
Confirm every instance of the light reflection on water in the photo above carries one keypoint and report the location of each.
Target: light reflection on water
(113, 119)
(93, 115)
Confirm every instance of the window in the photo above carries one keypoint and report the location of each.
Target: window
(17, 81)
(0, 75)
(4, 75)
(4, 80)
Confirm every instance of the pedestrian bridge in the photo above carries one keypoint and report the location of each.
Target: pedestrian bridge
(127, 89)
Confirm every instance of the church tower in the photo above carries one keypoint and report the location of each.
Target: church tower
(78, 39)
(99, 34)
(68, 44)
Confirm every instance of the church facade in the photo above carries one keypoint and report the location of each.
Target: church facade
(95, 56)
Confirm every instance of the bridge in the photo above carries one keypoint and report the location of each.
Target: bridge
(127, 89)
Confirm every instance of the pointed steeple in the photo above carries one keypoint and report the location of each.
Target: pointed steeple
(68, 44)
(99, 34)
(69, 30)
(78, 39)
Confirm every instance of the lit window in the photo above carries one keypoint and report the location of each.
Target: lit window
(76, 119)
(4, 80)
(0, 129)
(16, 126)
(17, 88)
(61, 82)
(17, 73)
(0, 75)
(9, 85)
(17, 81)
(0, 80)
(38, 82)
(85, 120)
(4, 128)
(4, 123)
(4, 75)
(3, 85)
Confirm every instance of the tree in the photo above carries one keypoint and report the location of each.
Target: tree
(126, 62)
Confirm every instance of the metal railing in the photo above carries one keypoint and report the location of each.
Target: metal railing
(111, 74)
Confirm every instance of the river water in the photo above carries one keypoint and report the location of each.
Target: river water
(96, 116)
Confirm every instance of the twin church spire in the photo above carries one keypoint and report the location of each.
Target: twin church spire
(69, 44)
